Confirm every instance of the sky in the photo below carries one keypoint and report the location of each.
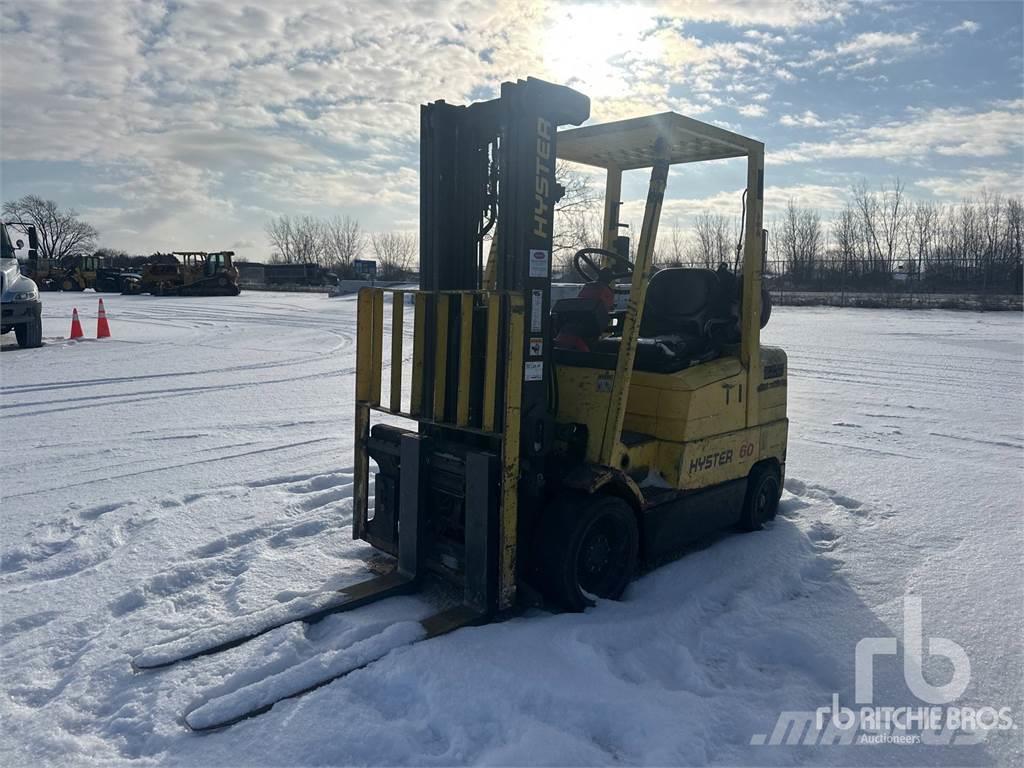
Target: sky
(181, 124)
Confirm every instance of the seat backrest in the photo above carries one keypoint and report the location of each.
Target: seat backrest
(587, 317)
(679, 301)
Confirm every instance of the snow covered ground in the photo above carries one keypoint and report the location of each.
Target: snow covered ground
(196, 467)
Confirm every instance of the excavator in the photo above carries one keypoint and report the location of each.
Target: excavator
(519, 451)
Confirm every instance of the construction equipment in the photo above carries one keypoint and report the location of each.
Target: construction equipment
(113, 279)
(77, 273)
(188, 273)
(551, 451)
(20, 306)
(70, 273)
(297, 274)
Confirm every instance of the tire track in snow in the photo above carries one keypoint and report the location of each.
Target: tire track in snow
(154, 394)
(122, 476)
(50, 387)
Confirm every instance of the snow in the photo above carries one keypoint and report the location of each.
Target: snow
(196, 469)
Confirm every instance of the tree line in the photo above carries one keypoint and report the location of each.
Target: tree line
(334, 243)
(880, 240)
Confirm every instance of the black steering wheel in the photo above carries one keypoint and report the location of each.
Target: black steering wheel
(618, 268)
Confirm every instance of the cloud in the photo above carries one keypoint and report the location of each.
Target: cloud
(752, 110)
(826, 198)
(968, 26)
(764, 37)
(873, 42)
(867, 49)
(680, 212)
(808, 119)
(948, 132)
(972, 182)
(788, 15)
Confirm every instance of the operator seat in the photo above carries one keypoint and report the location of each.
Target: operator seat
(682, 310)
(679, 301)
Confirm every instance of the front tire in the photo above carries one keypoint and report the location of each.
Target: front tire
(588, 549)
(30, 335)
(761, 502)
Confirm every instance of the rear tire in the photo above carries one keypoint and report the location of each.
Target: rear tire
(761, 502)
(30, 335)
(588, 549)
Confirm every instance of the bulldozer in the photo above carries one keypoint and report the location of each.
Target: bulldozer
(513, 451)
(188, 273)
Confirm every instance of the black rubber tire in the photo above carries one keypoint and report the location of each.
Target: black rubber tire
(761, 502)
(29, 335)
(588, 548)
(67, 284)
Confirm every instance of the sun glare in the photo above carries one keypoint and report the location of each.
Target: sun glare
(594, 47)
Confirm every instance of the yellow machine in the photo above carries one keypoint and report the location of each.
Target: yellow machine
(519, 450)
(559, 448)
(192, 273)
(78, 273)
(72, 273)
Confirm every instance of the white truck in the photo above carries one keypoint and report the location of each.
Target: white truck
(21, 309)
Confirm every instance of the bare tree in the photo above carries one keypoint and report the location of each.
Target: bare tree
(671, 251)
(61, 232)
(345, 241)
(299, 240)
(920, 232)
(883, 216)
(578, 218)
(714, 240)
(800, 240)
(395, 252)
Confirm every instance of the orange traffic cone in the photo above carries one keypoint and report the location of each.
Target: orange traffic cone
(102, 328)
(76, 326)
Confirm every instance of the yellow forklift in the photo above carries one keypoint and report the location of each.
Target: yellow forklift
(522, 452)
(558, 449)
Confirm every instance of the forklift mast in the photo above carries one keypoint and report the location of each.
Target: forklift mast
(467, 481)
(488, 171)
